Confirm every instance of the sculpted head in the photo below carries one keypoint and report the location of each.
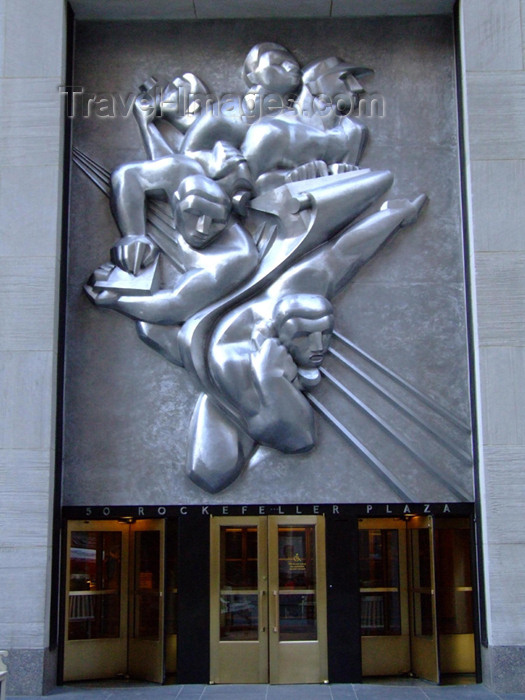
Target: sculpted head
(183, 100)
(304, 324)
(335, 79)
(273, 68)
(203, 210)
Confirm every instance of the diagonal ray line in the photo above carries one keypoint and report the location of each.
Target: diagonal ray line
(393, 482)
(162, 213)
(435, 432)
(443, 412)
(450, 485)
(105, 176)
(99, 182)
(103, 172)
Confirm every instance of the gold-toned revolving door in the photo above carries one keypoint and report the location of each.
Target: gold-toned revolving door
(114, 621)
(416, 597)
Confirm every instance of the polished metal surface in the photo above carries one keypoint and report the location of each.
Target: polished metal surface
(391, 412)
(263, 204)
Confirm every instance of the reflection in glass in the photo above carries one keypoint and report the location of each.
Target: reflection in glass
(94, 585)
(380, 614)
(423, 623)
(379, 570)
(421, 582)
(239, 562)
(239, 616)
(454, 581)
(239, 610)
(297, 583)
(147, 585)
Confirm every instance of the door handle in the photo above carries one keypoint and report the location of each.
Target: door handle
(263, 593)
(276, 611)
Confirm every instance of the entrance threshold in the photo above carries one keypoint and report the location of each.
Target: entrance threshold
(459, 679)
(410, 689)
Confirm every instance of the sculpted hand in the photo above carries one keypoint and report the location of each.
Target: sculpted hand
(272, 359)
(337, 168)
(144, 108)
(224, 158)
(105, 298)
(132, 253)
(317, 168)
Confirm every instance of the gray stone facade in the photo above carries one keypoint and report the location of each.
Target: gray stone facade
(32, 64)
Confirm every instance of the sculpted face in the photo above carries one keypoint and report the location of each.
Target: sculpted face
(202, 210)
(200, 220)
(277, 71)
(307, 339)
(273, 68)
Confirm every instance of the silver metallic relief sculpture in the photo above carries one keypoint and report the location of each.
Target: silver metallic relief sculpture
(236, 233)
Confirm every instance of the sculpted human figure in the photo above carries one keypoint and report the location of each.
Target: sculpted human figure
(317, 129)
(245, 308)
(263, 376)
(210, 150)
(272, 76)
(261, 382)
(132, 184)
(265, 353)
(270, 149)
(215, 254)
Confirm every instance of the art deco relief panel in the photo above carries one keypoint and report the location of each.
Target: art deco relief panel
(266, 295)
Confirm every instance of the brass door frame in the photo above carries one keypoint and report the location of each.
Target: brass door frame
(238, 661)
(424, 647)
(98, 658)
(146, 656)
(389, 655)
(267, 658)
(298, 661)
(86, 659)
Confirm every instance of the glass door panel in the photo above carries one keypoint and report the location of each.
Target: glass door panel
(268, 600)
(455, 615)
(94, 585)
(298, 646)
(114, 593)
(425, 656)
(96, 592)
(385, 639)
(239, 584)
(147, 630)
(297, 583)
(238, 607)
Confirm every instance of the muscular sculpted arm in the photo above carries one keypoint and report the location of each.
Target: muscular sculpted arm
(154, 143)
(256, 381)
(284, 418)
(215, 272)
(168, 306)
(326, 270)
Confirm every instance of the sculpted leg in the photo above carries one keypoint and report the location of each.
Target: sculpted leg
(218, 449)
